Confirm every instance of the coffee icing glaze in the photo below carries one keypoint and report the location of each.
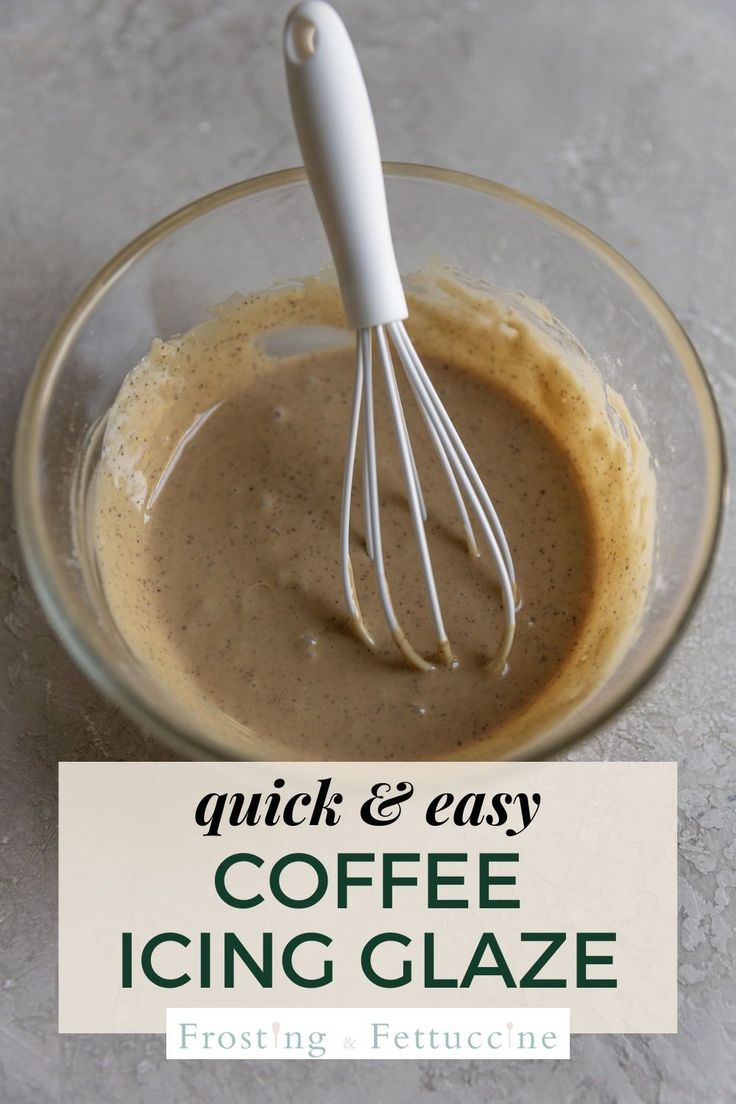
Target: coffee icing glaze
(216, 512)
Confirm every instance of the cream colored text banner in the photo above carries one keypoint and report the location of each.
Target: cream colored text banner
(374, 885)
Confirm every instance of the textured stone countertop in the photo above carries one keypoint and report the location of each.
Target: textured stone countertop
(115, 112)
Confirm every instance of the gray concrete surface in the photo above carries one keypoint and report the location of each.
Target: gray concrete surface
(113, 113)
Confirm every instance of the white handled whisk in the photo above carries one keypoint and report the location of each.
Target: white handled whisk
(337, 136)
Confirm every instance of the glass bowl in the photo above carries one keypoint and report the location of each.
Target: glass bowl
(266, 231)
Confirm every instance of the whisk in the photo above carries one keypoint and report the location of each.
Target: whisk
(337, 136)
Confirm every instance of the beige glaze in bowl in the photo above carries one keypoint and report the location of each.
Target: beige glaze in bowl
(266, 232)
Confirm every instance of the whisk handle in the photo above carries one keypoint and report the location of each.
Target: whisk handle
(337, 135)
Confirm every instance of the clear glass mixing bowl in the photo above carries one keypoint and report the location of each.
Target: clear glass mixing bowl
(266, 231)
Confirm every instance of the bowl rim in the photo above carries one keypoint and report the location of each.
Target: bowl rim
(44, 572)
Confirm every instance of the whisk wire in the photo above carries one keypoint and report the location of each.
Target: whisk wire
(405, 436)
(451, 449)
(461, 474)
(397, 632)
(470, 540)
(416, 500)
(348, 579)
(414, 367)
(366, 504)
